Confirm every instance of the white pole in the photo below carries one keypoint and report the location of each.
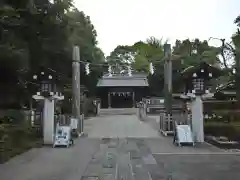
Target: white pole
(48, 122)
(197, 119)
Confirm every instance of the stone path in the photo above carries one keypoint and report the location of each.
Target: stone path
(120, 147)
(122, 159)
(118, 126)
(132, 159)
(51, 164)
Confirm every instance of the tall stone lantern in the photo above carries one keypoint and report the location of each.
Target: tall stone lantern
(49, 91)
(197, 86)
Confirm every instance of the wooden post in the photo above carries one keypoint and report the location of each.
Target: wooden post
(76, 94)
(168, 79)
(109, 100)
(133, 98)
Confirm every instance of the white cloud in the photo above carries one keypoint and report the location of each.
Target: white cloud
(128, 21)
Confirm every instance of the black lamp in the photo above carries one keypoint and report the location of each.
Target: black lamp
(197, 78)
(47, 82)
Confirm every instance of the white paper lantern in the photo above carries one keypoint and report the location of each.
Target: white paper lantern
(87, 69)
(151, 68)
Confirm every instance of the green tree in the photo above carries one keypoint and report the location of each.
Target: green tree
(37, 33)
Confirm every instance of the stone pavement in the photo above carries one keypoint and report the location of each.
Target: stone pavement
(132, 159)
(118, 126)
(51, 164)
(122, 159)
(120, 147)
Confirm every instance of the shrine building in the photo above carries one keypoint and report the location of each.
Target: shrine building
(122, 90)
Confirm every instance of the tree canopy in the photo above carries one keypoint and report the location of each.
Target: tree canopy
(36, 33)
(185, 53)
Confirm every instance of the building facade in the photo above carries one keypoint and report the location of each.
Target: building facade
(122, 91)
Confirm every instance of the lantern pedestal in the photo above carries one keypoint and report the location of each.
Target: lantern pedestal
(197, 79)
(197, 119)
(48, 117)
(48, 122)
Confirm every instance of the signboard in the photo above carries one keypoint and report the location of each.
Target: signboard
(74, 123)
(184, 134)
(63, 136)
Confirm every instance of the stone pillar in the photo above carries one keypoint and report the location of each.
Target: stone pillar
(32, 118)
(133, 99)
(98, 107)
(197, 119)
(48, 122)
(109, 100)
(168, 79)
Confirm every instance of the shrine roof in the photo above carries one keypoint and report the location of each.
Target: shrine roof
(136, 80)
(216, 72)
(230, 85)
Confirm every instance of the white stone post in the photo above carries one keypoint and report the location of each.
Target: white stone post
(197, 119)
(48, 121)
(48, 117)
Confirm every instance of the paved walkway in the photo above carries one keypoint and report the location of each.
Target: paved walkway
(51, 164)
(118, 126)
(120, 147)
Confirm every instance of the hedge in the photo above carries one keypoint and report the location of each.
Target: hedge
(230, 130)
(16, 139)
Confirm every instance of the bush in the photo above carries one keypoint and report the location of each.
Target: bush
(15, 139)
(12, 116)
(232, 131)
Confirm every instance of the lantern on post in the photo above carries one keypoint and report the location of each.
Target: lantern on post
(47, 81)
(49, 91)
(197, 80)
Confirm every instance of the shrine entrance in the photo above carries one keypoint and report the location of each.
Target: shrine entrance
(122, 99)
(121, 91)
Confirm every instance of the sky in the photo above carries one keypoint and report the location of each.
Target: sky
(124, 22)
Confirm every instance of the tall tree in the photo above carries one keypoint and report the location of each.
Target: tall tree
(37, 33)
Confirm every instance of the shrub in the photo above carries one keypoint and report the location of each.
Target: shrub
(15, 139)
(232, 131)
(13, 116)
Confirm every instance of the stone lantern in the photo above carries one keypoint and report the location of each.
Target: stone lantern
(49, 91)
(197, 80)
(47, 83)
